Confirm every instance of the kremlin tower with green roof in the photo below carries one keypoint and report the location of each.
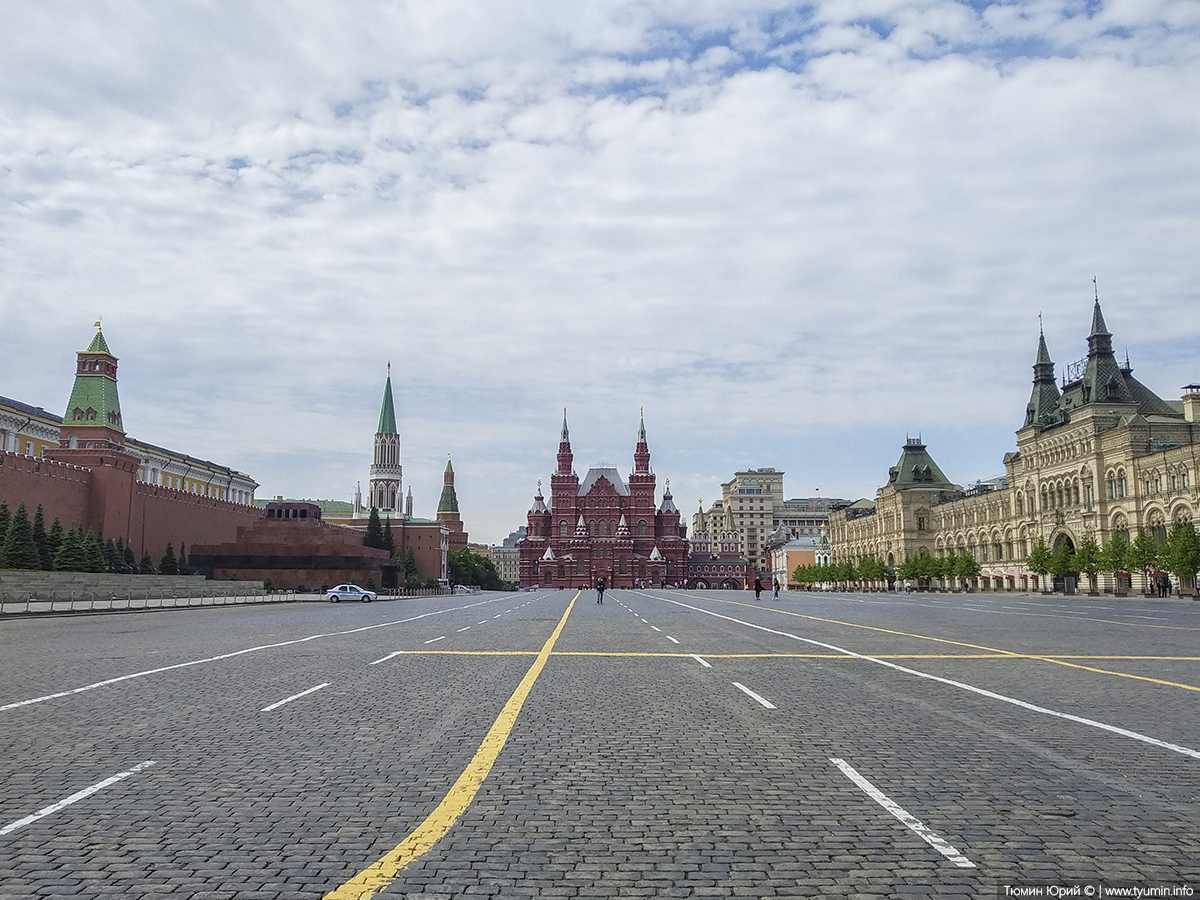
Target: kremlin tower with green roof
(93, 416)
(384, 489)
(447, 512)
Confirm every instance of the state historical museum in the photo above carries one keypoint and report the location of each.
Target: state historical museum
(603, 527)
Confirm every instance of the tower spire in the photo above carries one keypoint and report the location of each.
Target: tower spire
(565, 456)
(641, 453)
(384, 486)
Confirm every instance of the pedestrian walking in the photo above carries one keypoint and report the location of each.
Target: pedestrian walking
(600, 591)
(776, 586)
(757, 588)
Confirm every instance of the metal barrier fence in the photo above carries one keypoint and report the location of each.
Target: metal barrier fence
(26, 603)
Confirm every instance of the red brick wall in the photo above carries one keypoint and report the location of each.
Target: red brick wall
(105, 498)
(163, 515)
(61, 489)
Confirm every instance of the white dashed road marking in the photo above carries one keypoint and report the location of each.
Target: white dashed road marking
(436, 639)
(385, 658)
(702, 662)
(75, 798)
(749, 693)
(280, 703)
(905, 817)
(672, 640)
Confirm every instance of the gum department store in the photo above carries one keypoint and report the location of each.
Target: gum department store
(1104, 454)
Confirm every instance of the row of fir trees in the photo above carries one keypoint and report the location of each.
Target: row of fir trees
(1179, 554)
(26, 544)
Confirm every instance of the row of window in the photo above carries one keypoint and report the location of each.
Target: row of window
(600, 529)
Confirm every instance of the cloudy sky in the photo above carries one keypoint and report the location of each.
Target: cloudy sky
(793, 234)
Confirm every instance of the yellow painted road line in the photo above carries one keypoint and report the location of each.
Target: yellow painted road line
(384, 871)
(1058, 661)
(1004, 654)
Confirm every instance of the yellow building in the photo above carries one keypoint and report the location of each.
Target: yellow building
(1103, 454)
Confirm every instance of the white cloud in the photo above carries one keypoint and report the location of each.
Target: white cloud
(779, 229)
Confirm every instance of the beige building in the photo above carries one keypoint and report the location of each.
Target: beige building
(1101, 455)
(752, 504)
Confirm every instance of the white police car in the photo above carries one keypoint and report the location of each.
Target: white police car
(350, 592)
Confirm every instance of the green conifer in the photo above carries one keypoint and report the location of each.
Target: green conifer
(93, 549)
(146, 566)
(70, 556)
(5, 518)
(131, 565)
(389, 542)
(374, 535)
(42, 540)
(20, 551)
(181, 566)
(168, 565)
(55, 537)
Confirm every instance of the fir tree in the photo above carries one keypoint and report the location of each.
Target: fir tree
(181, 566)
(5, 518)
(374, 535)
(146, 566)
(42, 540)
(131, 565)
(93, 550)
(168, 565)
(410, 565)
(55, 537)
(112, 561)
(71, 556)
(20, 551)
(389, 542)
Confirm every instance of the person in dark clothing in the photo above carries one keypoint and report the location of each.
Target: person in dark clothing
(757, 588)
(600, 591)
(775, 585)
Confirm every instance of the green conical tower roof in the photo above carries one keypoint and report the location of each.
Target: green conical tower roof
(94, 400)
(98, 345)
(387, 414)
(449, 499)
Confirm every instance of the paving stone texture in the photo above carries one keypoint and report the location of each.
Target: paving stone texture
(632, 770)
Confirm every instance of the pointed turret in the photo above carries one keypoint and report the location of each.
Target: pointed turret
(565, 456)
(385, 482)
(581, 527)
(668, 502)
(93, 416)
(1043, 405)
(387, 412)
(1103, 381)
(641, 453)
(447, 512)
(449, 499)
(539, 502)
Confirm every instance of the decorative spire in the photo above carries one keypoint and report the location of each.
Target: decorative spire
(641, 454)
(449, 499)
(387, 412)
(565, 456)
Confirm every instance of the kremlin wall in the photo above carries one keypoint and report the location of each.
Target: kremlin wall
(83, 470)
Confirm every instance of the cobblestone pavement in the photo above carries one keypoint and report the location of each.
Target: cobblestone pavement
(675, 744)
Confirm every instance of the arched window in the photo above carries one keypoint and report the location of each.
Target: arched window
(642, 529)
(562, 529)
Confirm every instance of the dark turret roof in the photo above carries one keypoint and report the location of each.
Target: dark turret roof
(916, 468)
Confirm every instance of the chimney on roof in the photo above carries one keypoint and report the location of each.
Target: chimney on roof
(1191, 402)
